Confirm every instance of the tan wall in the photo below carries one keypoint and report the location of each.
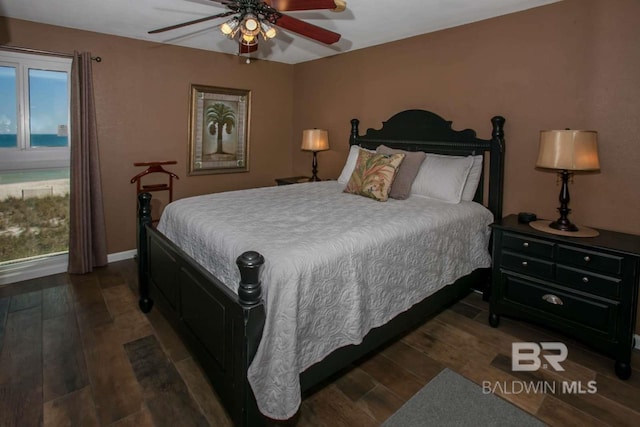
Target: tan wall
(142, 103)
(570, 64)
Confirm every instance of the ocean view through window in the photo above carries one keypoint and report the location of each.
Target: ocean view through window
(34, 158)
(37, 140)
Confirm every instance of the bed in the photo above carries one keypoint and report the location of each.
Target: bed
(248, 335)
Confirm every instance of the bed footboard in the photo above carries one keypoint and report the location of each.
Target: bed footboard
(221, 329)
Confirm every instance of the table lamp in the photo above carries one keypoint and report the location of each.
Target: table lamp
(567, 151)
(315, 140)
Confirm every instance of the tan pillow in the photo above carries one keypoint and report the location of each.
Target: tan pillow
(374, 174)
(401, 187)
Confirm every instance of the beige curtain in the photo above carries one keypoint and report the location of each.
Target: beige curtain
(87, 236)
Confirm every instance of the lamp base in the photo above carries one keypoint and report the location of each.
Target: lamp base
(563, 224)
(580, 231)
(314, 168)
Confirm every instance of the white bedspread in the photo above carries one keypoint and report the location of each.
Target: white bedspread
(337, 265)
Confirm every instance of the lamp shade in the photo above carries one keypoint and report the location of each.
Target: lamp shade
(573, 150)
(315, 140)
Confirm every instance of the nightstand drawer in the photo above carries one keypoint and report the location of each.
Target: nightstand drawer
(528, 246)
(588, 282)
(527, 265)
(586, 312)
(584, 287)
(595, 261)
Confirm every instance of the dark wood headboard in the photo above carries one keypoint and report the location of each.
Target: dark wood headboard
(420, 130)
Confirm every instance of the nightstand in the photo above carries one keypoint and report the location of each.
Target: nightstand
(292, 180)
(586, 288)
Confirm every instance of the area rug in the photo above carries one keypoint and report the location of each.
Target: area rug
(452, 400)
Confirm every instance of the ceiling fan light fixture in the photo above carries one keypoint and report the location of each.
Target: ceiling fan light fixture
(248, 38)
(249, 43)
(252, 18)
(268, 32)
(230, 27)
(250, 24)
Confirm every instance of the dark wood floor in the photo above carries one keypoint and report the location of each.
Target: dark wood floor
(76, 351)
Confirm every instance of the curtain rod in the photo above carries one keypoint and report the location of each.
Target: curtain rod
(44, 52)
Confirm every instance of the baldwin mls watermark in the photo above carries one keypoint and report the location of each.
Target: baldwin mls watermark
(528, 357)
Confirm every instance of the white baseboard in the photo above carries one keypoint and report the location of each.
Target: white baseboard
(121, 256)
(34, 268)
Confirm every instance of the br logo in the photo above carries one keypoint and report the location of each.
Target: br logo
(525, 356)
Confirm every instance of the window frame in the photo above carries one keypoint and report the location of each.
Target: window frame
(25, 157)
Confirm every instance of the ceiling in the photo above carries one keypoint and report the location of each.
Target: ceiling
(364, 23)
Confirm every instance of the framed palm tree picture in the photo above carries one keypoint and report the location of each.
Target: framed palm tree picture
(219, 130)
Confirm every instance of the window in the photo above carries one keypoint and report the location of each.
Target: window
(34, 160)
(34, 111)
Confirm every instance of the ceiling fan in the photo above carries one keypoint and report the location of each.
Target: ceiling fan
(252, 18)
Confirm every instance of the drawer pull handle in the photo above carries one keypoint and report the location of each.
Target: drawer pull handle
(525, 263)
(586, 258)
(585, 280)
(525, 244)
(552, 299)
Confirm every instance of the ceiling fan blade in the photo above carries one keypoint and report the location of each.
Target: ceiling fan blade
(195, 21)
(306, 29)
(290, 5)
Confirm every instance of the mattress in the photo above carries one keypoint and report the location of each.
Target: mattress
(336, 266)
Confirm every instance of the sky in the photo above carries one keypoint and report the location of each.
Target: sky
(48, 95)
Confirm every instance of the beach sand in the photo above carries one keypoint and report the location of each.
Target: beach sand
(24, 190)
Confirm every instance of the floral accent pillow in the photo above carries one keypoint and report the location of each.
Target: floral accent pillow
(374, 174)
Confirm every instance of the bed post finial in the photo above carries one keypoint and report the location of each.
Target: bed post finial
(354, 130)
(498, 128)
(144, 219)
(250, 289)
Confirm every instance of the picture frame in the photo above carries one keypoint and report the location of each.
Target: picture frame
(218, 130)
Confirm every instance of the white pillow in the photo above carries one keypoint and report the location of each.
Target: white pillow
(471, 185)
(473, 179)
(442, 177)
(350, 164)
